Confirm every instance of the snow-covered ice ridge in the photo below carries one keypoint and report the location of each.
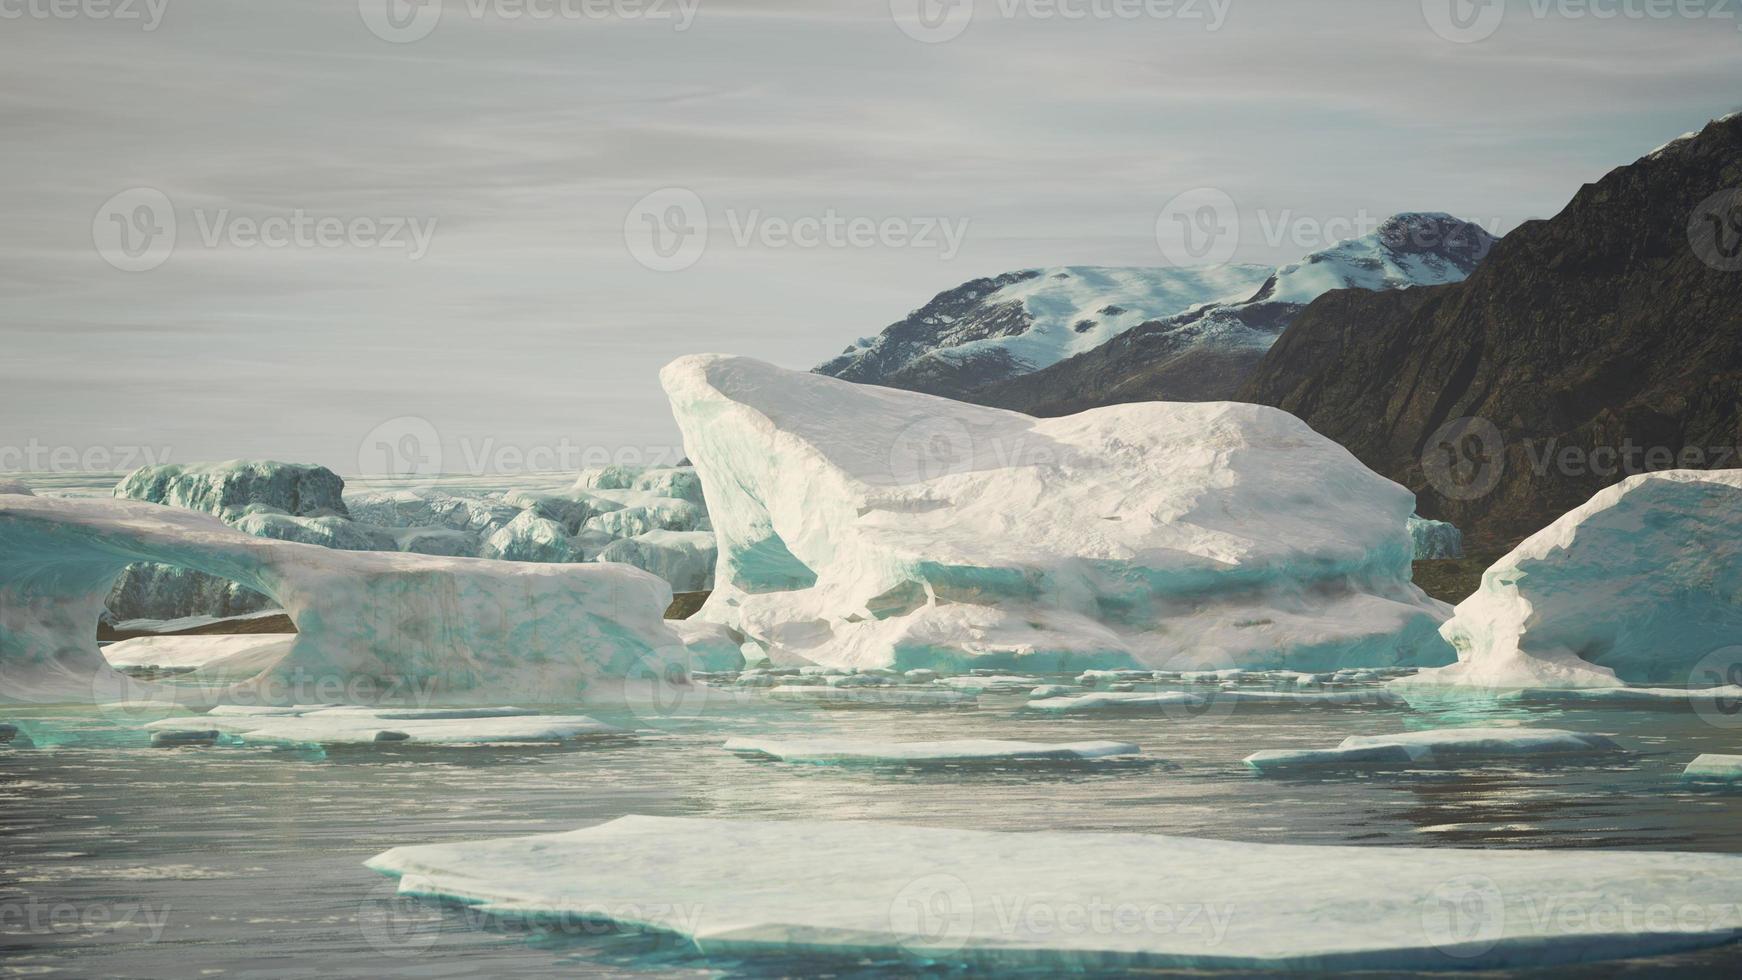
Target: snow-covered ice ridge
(730, 886)
(988, 330)
(409, 624)
(1641, 584)
(861, 526)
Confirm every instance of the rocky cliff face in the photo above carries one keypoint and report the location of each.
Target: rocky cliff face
(1602, 342)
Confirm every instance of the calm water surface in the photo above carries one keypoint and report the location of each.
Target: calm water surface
(117, 859)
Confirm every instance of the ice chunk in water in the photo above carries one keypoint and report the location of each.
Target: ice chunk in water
(1437, 745)
(1714, 768)
(741, 886)
(324, 726)
(840, 750)
(875, 697)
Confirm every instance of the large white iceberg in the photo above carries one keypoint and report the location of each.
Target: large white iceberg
(868, 527)
(1641, 584)
(370, 624)
(1061, 901)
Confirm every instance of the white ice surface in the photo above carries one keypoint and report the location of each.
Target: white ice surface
(1641, 584)
(876, 889)
(448, 628)
(1438, 745)
(226, 654)
(861, 526)
(1714, 768)
(358, 726)
(841, 750)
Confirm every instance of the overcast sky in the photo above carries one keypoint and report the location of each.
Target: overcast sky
(487, 175)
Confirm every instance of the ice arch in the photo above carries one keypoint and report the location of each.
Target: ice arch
(437, 627)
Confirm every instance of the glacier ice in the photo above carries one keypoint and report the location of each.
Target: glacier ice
(869, 527)
(685, 559)
(833, 751)
(1641, 584)
(233, 655)
(827, 695)
(1071, 901)
(231, 489)
(1435, 539)
(1438, 745)
(369, 623)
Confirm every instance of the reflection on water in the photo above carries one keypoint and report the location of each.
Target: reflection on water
(120, 859)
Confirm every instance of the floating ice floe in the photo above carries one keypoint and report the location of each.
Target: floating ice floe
(949, 895)
(440, 627)
(1714, 768)
(1437, 745)
(1722, 699)
(1137, 701)
(874, 697)
(861, 526)
(1641, 584)
(341, 726)
(996, 683)
(957, 751)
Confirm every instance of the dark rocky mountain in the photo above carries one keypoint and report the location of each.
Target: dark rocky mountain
(1206, 353)
(1604, 341)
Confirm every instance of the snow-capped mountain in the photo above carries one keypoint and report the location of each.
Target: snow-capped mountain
(1009, 325)
(1204, 354)
(1052, 341)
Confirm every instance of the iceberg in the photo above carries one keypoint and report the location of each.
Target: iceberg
(1437, 745)
(683, 558)
(369, 624)
(860, 526)
(1641, 584)
(1062, 901)
(831, 751)
(1435, 539)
